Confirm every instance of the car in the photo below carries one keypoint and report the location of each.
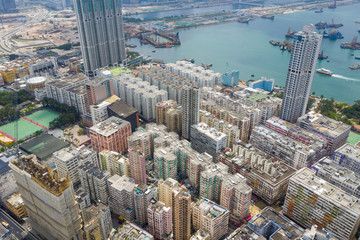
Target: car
(5, 224)
(29, 228)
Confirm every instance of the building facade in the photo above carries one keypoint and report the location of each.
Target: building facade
(303, 59)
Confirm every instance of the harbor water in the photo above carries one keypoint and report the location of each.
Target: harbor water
(245, 47)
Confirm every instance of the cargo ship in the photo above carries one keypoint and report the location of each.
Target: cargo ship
(324, 71)
(355, 67)
(268, 17)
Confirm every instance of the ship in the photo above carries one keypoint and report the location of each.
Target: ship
(357, 57)
(324, 71)
(319, 11)
(333, 35)
(268, 17)
(243, 20)
(290, 34)
(332, 5)
(354, 45)
(321, 25)
(355, 67)
(130, 45)
(190, 60)
(334, 25)
(322, 56)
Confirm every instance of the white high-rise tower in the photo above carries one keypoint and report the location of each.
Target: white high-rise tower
(100, 25)
(304, 55)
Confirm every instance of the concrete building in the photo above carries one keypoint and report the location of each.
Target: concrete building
(130, 231)
(230, 79)
(315, 233)
(343, 178)
(124, 111)
(272, 225)
(166, 191)
(245, 233)
(94, 182)
(142, 197)
(98, 90)
(104, 49)
(206, 139)
(114, 163)
(348, 156)
(121, 196)
(161, 108)
(191, 106)
(67, 162)
(236, 197)
(142, 140)
(263, 83)
(211, 217)
(165, 163)
(311, 200)
(50, 202)
(110, 134)
(16, 205)
(8, 185)
(200, 235)
(159, 219)
(98, 215)
(99, 112)
(181, 214)
(43, 68)
(335, 132)
(137, 166)
(292, 152)
(173, 120)
(303, 59)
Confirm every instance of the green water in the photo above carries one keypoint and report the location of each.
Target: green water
(246, 47)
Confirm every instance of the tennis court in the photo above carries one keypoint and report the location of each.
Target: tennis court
(43, 117)
(26, 129)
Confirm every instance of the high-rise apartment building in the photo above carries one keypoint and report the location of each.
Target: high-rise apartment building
(165, 164)
(165, 190)
(311, 200)
(181, 213)
(50, 201)
(191, 105)
(101, 32)
(110, 134)
(236, 196)
(94, 182)
(159, 219)
(98, 90)
(137, 166)
(303, 59)
(67, 163)
(161, 108)
(211, 217)
(114, 163)
(97, 219)
(141, 140)
(142, 198)
(121, 195)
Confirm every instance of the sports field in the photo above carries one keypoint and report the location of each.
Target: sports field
(43, 117)
(26, 129)
(353, 138)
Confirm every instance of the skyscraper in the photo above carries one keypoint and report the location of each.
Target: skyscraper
(49, 200)
(304, 55)
(100, 25)
(191, 104)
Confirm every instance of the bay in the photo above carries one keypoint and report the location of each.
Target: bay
(245, 47)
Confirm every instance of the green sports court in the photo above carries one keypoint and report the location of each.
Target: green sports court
(26, 129)
(43, 117)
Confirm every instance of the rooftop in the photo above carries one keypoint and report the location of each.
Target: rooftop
(350, 151)
(41, 175)
(281, 227)
(15, 200)
(122, 183)
(210, 208)
(210, 132)
(326, 190)
(109, 126)
(130, 231)
(121, 108)
(68, 80)
(324, 124)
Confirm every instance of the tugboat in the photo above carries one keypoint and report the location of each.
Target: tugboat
(355, 67)
(322, 56)
(324, 71)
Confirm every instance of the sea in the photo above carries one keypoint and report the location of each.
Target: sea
(246, 47)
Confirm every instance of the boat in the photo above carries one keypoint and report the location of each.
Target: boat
(130, 45)
(153, 51)
(268, 17)
(335, 25)
(324, 71)
(243, 20)
(355, 67)
(319, 11)
(322, 56)
(357, 57)
(332, 5)
(335, 35)
(191, 60)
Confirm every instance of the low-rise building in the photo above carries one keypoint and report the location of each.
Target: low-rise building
(16, 205)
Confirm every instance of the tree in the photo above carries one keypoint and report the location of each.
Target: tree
(313, 93)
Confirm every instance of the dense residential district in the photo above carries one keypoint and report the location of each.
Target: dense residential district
(100, 146)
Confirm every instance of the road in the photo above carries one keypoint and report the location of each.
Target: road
(17, 230)
(5, 45)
